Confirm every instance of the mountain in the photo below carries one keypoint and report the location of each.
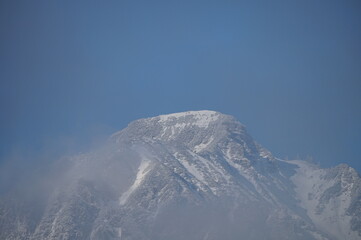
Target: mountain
(191, 175)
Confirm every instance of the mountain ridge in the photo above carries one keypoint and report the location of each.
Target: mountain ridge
(193, 175)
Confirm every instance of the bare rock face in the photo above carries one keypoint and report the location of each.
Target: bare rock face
(192, 175)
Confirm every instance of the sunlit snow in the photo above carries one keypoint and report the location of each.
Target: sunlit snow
(143, 169)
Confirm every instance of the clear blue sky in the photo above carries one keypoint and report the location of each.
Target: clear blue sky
(71, 71)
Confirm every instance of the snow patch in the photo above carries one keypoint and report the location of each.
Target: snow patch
(190, 168)
(143, 169)
(211, 167)
(202, 146)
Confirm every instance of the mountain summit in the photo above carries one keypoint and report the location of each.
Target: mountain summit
(191, 175)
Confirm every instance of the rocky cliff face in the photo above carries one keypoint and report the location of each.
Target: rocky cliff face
(191, 175)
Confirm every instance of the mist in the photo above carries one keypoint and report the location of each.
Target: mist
(73, 73)
(30, 182)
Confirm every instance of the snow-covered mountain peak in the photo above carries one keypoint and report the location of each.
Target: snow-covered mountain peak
(199, 118)
(195, 129)
(191, 175)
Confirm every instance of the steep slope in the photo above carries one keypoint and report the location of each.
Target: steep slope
(331, 198)
(192, 175)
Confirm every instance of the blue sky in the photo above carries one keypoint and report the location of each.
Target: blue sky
(73, 72)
